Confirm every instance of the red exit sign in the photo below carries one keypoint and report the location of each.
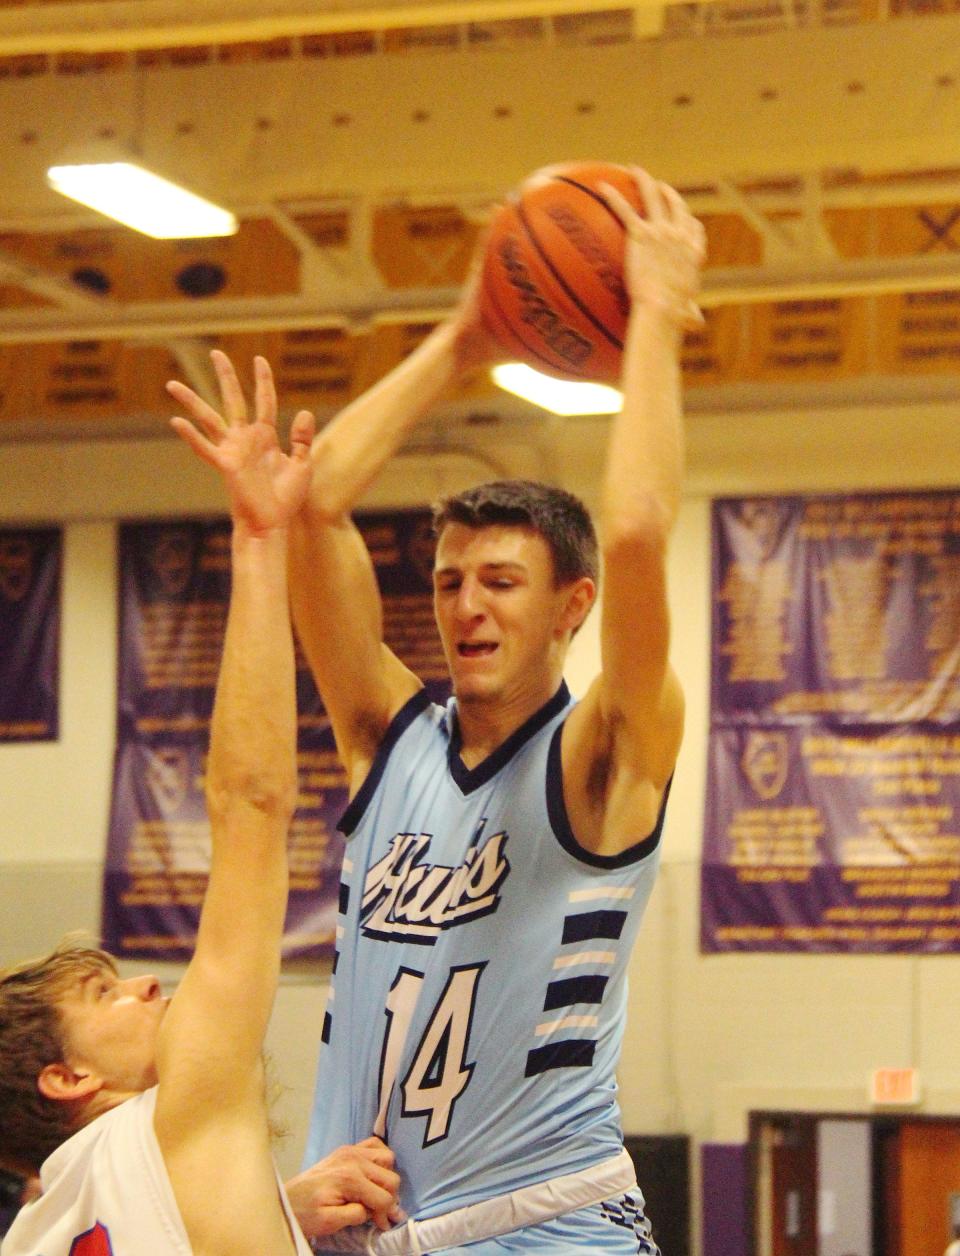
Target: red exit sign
(895, 1086)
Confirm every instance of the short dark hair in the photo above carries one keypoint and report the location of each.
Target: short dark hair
(31, 1037)
(558, 516)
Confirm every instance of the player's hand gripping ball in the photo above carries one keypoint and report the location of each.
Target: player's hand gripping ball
(553, 292)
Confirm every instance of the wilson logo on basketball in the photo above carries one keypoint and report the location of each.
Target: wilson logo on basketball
(537, 313)
(591, 249)
(413, 901)
(554, 293)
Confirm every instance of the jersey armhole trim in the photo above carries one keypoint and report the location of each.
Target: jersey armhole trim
(398, 726)
(563, 830)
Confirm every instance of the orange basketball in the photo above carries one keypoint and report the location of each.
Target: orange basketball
(553, 291)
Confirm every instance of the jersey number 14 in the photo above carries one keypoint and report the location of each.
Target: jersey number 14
(438, 1073)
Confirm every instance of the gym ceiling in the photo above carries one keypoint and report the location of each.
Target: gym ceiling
(362, 143)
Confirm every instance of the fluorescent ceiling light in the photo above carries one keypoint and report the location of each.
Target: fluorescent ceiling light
(559, 396)
(142, 200)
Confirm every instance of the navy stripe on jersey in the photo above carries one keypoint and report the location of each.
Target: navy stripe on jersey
(574, 990)
(593, 924)
(336, 961)
(469, 779)
(344, 905)
(327, 1025)
(398, 726)
(563, 831)
(570, 1053)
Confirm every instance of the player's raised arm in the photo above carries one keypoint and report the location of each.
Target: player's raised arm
(336, 604)
(210, 1078)
(631, 721)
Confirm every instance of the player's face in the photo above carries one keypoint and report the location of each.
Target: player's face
(501, 619)
(111, 1027)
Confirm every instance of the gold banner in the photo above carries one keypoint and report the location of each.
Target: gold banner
(917, 230)
(713, 353)
(317, 368)
(112, 262)
(258, 261)
(853, 232)
(807, 340)
(388, 345)
(895, 230)
(78, 378)
(12, 383)
(918, 333)
(731, 241)
(428, 248)
(15, 298)
(142, 373)
(329, 228)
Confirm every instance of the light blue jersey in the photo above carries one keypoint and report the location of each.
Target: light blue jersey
(479, 996)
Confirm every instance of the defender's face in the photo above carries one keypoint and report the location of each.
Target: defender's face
(497, 610)
(111, 1026)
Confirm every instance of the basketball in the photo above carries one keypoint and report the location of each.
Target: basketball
(553, 293)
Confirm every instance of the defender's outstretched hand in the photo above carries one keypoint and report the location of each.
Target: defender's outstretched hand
(266, 486)
(665, 251)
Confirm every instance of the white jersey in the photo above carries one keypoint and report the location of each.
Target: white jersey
(480, 988)
(106, 1193)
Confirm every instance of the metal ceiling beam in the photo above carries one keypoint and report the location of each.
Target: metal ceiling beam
(41, 283)
(725, 196)
(819, 280)
(165, 321)
(120, 25)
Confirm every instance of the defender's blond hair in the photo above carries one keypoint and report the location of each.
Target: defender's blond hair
(31, 1037)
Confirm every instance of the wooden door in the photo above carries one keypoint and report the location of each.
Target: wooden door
(794, 1188)
(929, 1173)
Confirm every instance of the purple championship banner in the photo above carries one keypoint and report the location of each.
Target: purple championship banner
(30, 569)
(832, 818)
(174, 583)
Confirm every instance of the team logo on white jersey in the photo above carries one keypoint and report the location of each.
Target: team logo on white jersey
(410, 900)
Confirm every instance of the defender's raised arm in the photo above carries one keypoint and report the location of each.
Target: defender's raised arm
(211, 1093)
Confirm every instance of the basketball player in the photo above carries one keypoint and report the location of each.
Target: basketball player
(500, 851)
(148, 1113)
